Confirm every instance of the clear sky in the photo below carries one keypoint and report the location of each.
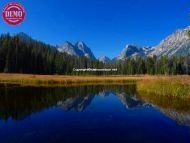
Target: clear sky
(106, 26)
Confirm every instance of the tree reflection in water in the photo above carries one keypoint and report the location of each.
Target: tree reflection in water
(18, 102)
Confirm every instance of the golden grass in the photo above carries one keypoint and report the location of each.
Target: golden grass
(158, 85)
(165, 86)
(51, 79)
(60, 80)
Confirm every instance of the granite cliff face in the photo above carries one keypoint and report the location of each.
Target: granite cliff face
(104, 59)
(79, 49)
(133, 51)
(177, 44)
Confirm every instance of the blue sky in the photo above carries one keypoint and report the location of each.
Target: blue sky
(106, 26)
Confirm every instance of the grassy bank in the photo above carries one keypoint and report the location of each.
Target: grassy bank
(58, 80)
(165, 86)
(154, 85)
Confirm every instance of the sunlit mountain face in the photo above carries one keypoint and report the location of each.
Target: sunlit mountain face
(79, 49)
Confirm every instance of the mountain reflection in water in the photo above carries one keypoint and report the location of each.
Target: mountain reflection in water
(19, 102)
(92, 102)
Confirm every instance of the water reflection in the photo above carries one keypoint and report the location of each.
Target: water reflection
(91, 114)
(78, 103)
(18, 102)
(176, 108)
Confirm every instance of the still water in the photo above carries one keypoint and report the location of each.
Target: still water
(90, 114)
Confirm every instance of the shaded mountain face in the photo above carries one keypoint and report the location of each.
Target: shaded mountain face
(79, 49)
(133, 51)
(177, 44)
(104, 59)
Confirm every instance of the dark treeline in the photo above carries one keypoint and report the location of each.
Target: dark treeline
(152, 65)
(19, 54)
(25, 55)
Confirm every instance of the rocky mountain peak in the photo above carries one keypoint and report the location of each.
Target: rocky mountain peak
(178, 43)
(79, 49)
(104, 59)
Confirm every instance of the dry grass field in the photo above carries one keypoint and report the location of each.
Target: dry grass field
(159, 85)
(62, 79)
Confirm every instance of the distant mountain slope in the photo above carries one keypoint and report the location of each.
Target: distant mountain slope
(79, 49)
(132, 51)
(104, 59)
(176, 44)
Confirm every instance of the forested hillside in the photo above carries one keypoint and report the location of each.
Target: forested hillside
(25, 55)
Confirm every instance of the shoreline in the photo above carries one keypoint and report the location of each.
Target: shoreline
(63, 80)
(15, 78)
(163, 85)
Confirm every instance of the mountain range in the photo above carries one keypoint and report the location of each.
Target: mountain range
(132, 51)
(176, 44)
(104, 59)
(79, 49)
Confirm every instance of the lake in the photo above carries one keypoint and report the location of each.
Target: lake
(91, 114)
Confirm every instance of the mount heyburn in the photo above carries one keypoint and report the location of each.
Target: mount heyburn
(176, 44)
(79, 49)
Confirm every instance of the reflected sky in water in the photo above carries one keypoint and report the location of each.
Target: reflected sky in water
(86, 114)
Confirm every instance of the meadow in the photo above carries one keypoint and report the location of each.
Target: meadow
(157, 85)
